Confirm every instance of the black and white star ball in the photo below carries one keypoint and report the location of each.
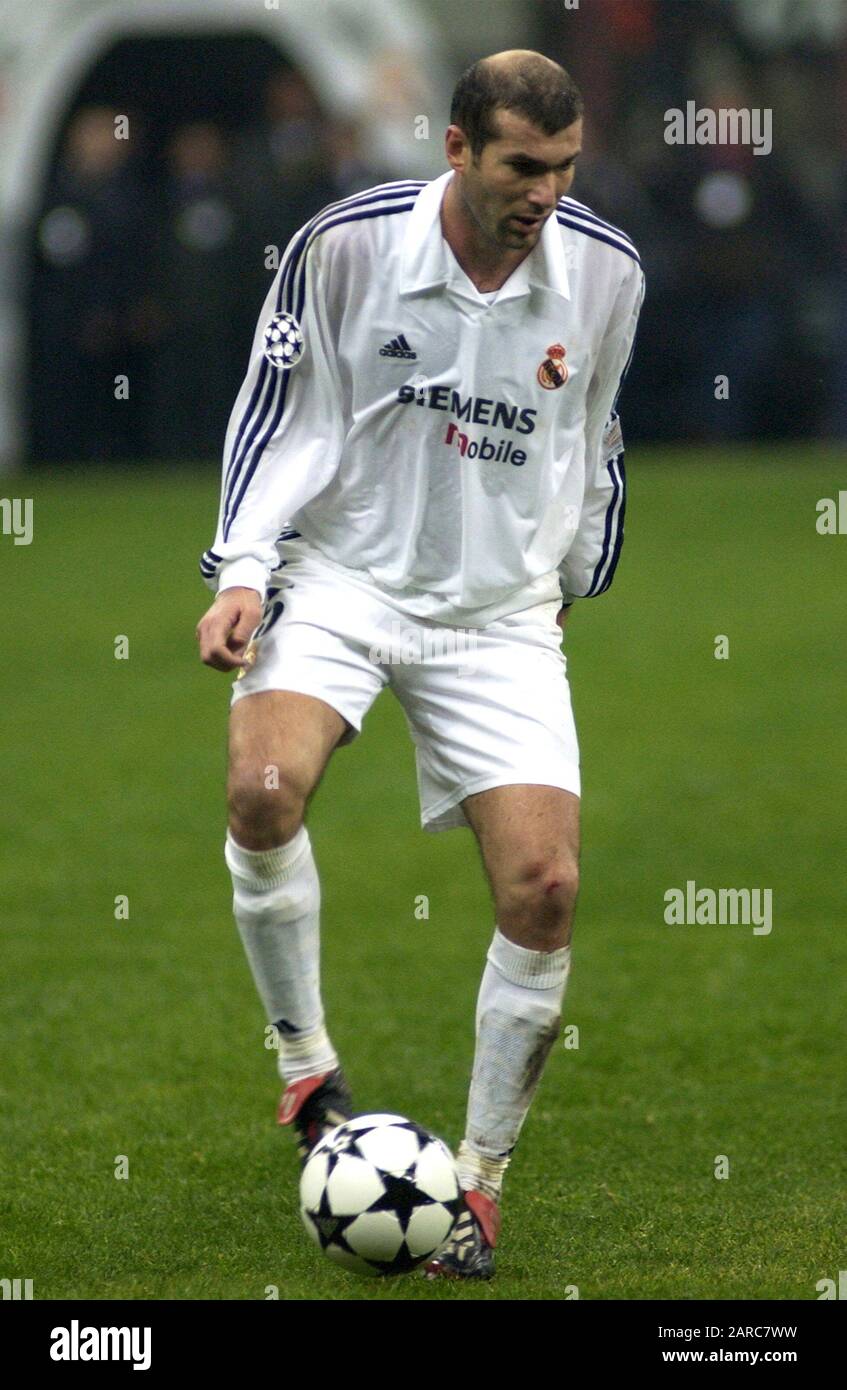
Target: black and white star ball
(379, 1194)
(284, 341)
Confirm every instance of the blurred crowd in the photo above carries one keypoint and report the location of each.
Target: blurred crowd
(149, 270)
(745, 254)
(153, 267)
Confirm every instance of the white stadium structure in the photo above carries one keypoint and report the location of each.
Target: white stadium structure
(376, 61)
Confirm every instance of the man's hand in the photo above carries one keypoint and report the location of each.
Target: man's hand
(562, 616)
(223, 632)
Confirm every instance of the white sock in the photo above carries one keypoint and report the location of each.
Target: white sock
(518, 1017)
(276, 901)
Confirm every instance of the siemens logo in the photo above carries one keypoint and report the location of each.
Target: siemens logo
(477, 410)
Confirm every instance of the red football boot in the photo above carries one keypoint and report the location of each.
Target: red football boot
(469, 1253)
(314, 1106)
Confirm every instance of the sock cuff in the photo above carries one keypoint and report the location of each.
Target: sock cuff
(305, 1053)
(533, 969)
(268, 868)
(480, 1171)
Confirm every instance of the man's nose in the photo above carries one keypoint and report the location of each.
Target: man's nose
(544, 194)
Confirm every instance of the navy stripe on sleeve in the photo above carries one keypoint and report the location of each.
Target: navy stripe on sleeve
(269, 393)
(571, 208)
(592, 231)
(612, 531)
(291, 292)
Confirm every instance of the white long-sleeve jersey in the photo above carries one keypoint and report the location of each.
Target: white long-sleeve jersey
(462, 456)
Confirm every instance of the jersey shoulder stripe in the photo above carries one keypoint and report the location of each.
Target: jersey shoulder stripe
(572, 208)
(386, 193)
(267, 384)
(266, 406)
(378, 190)
(267, 380)
(294, 285)
(611, 236)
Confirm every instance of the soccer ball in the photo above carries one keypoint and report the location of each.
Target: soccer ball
(379, 1195)
(283, 341)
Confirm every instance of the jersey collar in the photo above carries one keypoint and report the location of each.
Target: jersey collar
(426, 260)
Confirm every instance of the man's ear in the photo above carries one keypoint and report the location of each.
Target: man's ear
(456, 147)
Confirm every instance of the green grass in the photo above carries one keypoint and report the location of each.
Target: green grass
(144, 1037)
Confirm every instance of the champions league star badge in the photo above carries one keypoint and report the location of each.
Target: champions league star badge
(284, 342)
(553, 373)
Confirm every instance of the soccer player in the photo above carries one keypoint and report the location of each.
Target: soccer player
(425, 459)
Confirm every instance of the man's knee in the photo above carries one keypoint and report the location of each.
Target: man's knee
(539, 896)
(266, 805)
(279, 744)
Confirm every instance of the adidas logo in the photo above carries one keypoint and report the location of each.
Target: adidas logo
(398, 347)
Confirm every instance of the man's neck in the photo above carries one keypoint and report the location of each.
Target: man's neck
(486, 265)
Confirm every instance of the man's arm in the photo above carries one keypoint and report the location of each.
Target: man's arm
(283, 446)
(592, 557)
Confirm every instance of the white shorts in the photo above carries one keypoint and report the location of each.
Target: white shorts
(486, 707)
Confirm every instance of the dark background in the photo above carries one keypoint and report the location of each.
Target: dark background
(154, 266)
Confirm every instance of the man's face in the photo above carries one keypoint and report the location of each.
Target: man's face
(514, 186)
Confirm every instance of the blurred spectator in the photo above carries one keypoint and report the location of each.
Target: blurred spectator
(837, 421)
(745, 255)
(283, 181)
(348, 170)
(291, 163)
(739, 250)
(88, 275)
(192, 298)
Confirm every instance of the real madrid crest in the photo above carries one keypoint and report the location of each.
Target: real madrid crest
(553, 373)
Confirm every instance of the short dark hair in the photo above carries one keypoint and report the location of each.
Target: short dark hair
(533, 86)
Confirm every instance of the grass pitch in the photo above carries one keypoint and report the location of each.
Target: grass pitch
(142, 1037)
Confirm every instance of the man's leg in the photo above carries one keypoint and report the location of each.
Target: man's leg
(529, 839)
(280, 743)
